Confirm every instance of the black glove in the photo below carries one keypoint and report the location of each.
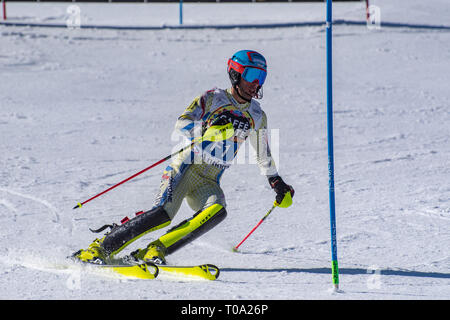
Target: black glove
(219, 121)
(281, 188)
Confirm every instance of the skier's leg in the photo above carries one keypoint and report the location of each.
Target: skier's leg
(184, 233)
(209, 200)
(122, 235)
(193, 228)
(169, 199)
(173, 189)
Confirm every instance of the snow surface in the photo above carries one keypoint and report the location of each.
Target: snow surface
(83, 109)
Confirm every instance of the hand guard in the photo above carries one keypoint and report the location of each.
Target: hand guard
(218, 132)
(284, 192)
(238, 120)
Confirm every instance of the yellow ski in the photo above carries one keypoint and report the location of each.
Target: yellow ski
(204, 271)
(138, 271)
(151, 271)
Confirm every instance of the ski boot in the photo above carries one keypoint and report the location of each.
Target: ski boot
(93, 254)
(155, 253)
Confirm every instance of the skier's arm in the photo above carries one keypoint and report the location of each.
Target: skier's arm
(189, 124)
(260, 143)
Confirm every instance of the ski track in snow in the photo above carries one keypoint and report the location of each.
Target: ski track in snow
(84, 109)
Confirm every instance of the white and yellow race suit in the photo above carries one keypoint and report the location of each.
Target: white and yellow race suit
(195, 174)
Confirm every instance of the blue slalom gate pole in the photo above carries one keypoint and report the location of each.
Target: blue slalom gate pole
(334, 260)
(181, 11)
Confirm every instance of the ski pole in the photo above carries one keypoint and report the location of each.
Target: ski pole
(214, 133)
(259, 223)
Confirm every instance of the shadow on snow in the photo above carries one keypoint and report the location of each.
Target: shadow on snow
(347, 271)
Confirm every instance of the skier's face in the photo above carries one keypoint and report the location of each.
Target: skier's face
(247, 89)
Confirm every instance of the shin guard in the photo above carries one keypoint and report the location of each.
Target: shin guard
(121, 236)
(192, 228)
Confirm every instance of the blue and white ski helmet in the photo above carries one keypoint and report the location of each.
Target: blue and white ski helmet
(248, 65)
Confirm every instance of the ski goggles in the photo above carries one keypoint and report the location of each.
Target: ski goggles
(249, 73)
(252, 74)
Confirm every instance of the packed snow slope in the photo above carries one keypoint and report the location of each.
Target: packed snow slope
(82, 109)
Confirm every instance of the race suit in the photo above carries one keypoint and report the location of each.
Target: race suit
(195, 174)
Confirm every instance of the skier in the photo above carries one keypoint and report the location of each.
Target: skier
(195, 174)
